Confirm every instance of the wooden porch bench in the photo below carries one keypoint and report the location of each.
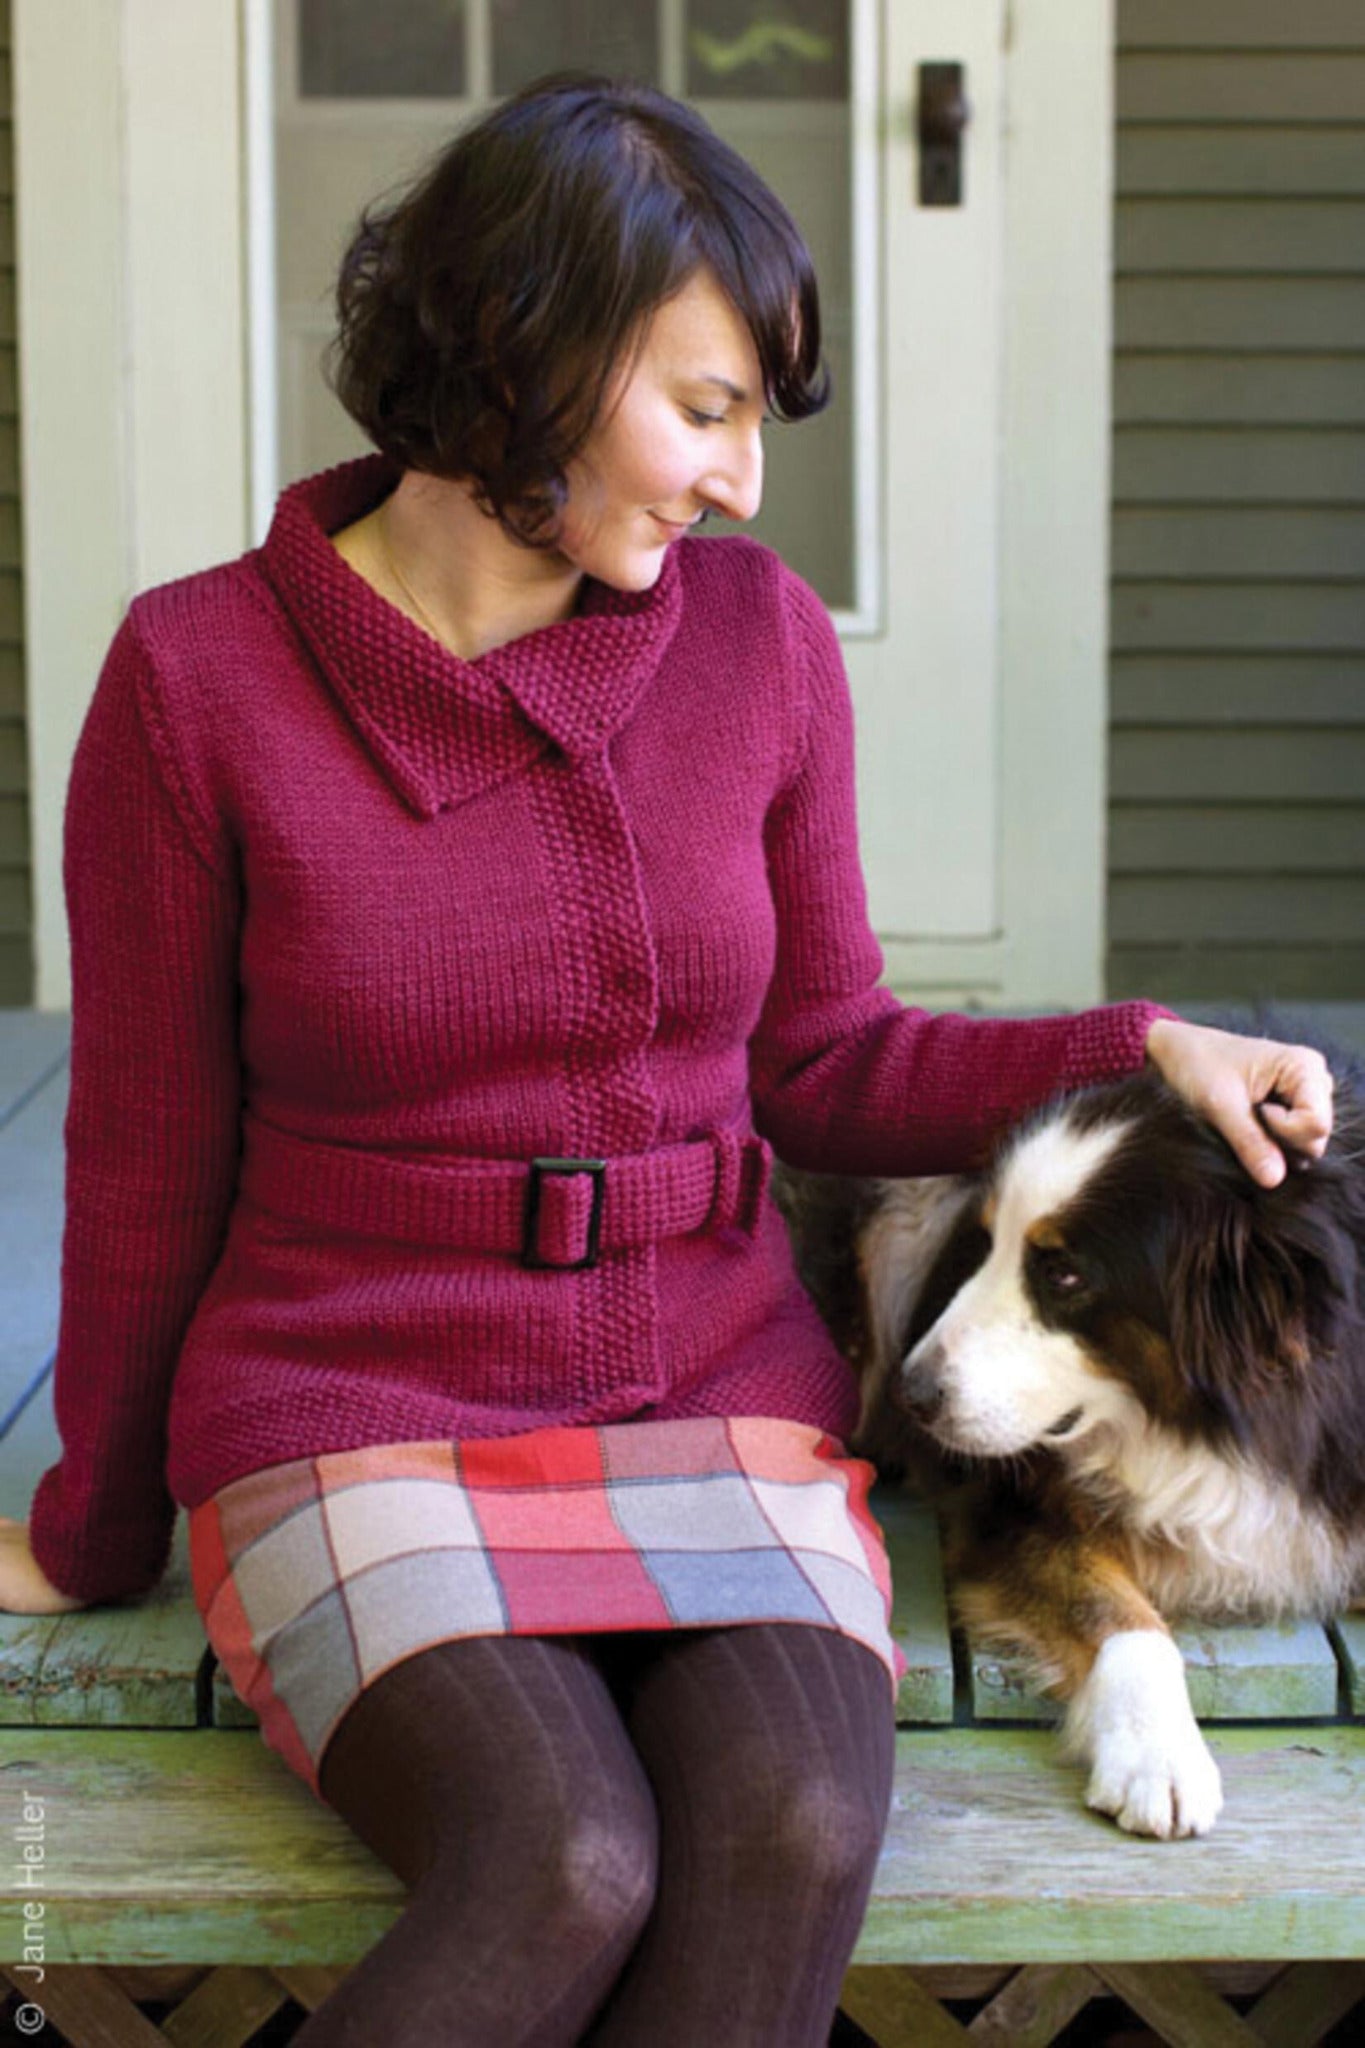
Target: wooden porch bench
(168, 1860)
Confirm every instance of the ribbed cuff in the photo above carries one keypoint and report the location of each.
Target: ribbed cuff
(120, 1565)
(1110, 1042)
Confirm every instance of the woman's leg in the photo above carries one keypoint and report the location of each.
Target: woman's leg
(495, 1777)
(770, 1749)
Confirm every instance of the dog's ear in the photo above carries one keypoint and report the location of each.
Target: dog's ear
(1259, 1281)
(921, 1246)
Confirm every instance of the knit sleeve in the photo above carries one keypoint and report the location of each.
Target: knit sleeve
(151, 1129)
(845, 1078)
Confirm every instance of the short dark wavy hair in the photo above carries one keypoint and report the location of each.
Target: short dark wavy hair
(483, 313)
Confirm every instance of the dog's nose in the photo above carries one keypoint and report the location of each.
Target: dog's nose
(920, 1385)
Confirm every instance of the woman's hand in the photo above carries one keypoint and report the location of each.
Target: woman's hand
(1246, 1087)
(24, 1587)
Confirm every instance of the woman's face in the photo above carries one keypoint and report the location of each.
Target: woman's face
(682, 438)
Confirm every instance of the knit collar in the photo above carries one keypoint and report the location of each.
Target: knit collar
(439, 728)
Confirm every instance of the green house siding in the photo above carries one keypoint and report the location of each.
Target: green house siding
(16, 902)
(1237, 750)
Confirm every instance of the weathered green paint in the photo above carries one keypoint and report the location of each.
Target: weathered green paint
(228, 1711)
(130, 1665)
(1285, 1671)
(990, 1855)
(184, 1846)
(919, 1615)
(1348, 1635)
(1000, 1694)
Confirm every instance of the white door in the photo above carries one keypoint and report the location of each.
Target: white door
(192, 177)
(888, 502)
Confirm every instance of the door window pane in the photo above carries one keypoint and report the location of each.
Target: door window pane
(354, 49)
(773, 78)
(531, 37)
(755, 49)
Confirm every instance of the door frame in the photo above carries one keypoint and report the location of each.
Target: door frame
(141, 146)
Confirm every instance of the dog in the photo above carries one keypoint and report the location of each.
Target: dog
(1133, 1381)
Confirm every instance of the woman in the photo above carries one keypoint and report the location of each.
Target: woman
(464, 897)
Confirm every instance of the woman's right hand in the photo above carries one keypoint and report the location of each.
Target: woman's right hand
(24, 1586)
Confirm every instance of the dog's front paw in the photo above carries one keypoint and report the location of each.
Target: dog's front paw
(1157, 1788)
(1150, 1766)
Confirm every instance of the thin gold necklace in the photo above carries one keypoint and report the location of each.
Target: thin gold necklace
(401, 580)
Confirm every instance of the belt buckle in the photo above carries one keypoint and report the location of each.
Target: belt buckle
(530, 1253)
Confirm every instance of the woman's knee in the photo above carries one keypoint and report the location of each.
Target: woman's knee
(590, 1872)
(480, 1767)
(803, 1829)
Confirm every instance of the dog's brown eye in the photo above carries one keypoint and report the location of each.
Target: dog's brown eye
(1059, 1275)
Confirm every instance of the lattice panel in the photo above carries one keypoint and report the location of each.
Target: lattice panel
(1184, 2004)
(101, 2008)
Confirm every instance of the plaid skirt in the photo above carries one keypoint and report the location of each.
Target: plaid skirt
(315, 1576)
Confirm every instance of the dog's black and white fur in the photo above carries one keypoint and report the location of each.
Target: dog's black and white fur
(1143, 1377)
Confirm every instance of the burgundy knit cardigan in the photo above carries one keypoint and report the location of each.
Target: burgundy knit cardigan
(593, 893)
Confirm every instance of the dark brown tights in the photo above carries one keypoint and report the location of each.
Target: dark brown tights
(662, 1838)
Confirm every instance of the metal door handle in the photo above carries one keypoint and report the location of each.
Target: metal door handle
(942, 112)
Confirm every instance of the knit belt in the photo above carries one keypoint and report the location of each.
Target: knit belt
(556, 1213)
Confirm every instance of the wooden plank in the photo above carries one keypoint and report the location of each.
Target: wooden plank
(1244, 839)
(1227, 464)
(13, 760)
(991, 1855)
(1237, 85)
(1240, 315)
(1206, 391)
(998, 1693)
(1282, 1672)
(131, 1665)
(226, 1710)
(15, 906)
(227, 2009)
(1239, 25)
(1233, 909)
(1256, 617)
(897, 2011)
(11, 679)
(1218, 541)
(919, 1617)
(1185, 2012)
(189, 1846)
(1181, 974)
(14, 833)
(1290, 766)
(1303, 237)
(1306, 2003)
(1035, 2005)
(1166, 157)
(88, 2008)
(1230, 689)
(308, 1984)
(16, 970)
(1348, 1639)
